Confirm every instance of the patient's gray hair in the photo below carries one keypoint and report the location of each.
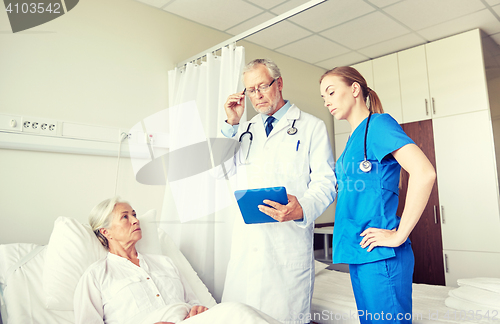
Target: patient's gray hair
(273, 69)
(101, 216)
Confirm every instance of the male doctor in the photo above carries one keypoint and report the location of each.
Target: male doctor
(272, 265)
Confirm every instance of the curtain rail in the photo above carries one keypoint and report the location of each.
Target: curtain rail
(254, 30)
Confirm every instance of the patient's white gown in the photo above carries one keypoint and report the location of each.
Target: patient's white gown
(115, 291)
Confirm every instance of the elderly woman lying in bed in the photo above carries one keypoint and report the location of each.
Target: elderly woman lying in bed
(129, 287)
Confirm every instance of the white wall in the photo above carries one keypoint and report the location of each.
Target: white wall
(103, 63)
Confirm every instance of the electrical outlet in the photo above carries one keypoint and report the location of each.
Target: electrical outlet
(48, 127)
(40, 126)
(131, 136)
(30, 125)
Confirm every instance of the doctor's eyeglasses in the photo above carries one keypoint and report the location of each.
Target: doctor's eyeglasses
(262, 89)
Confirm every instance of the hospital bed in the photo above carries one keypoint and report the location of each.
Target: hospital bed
(333, 302)
(37, 283)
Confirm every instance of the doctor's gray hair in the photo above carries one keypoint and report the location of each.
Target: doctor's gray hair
(273, 69)
(101, 216)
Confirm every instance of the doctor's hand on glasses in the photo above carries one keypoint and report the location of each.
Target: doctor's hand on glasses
(234, 107)
(283, 213)
(262, 89)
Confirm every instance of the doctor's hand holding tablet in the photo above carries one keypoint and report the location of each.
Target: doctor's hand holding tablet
(266, 205)
(283, 213)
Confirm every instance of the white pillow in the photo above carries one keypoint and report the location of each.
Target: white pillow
(169, 249)
(72, 248)
(491, 284)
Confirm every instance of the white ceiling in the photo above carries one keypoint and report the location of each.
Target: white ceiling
(341, 32)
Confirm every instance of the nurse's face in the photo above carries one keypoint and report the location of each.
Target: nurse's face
(338, 96)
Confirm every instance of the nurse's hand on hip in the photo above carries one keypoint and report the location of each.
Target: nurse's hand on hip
(234, 107)
(283, 213)
(374, 237)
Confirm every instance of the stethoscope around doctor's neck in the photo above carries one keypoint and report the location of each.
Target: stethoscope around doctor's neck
(291, 131)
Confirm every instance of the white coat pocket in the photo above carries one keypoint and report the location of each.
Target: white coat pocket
(290, 160)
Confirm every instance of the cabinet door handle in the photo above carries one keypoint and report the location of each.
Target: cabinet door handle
(433, 106)
(435, 215)
(426, 108)
(442, 214)
(446, 263)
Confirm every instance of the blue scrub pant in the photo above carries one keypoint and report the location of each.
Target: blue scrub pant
(383, 288)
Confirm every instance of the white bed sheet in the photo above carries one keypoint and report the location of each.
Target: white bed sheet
(333, 302)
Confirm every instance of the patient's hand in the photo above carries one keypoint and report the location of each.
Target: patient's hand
(195, 310)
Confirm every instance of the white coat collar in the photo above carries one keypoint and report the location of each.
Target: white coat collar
(292, 114)
(286, 121)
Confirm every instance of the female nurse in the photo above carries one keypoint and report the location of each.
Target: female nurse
(367, 234)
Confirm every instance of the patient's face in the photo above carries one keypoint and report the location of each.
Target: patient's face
(125, 228)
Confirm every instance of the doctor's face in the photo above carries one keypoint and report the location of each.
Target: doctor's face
(338, 96)
(124, 228)
(264, 102)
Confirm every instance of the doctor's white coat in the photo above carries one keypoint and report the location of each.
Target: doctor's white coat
(272, 265)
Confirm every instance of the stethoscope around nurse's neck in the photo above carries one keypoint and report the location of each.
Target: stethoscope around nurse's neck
(366, 165)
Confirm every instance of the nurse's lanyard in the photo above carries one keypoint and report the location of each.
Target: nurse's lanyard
(366, 165)
(291, 131)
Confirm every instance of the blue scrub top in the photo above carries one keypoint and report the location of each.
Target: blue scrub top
(367, 199)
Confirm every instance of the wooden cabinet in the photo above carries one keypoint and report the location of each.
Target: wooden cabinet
(386, 85)
(426, 236)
